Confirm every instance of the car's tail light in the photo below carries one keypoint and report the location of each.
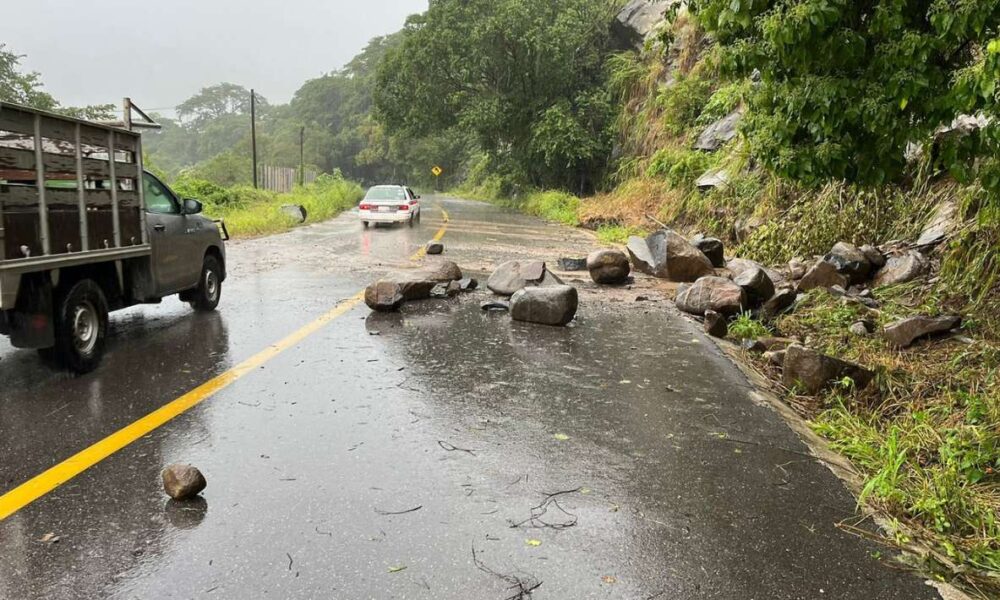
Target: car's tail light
(365, 207)
(412, 202)
(404, 207)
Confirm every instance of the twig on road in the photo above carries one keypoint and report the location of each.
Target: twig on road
(453, 448)
(537, 512)
(398, 512)
(524, 587)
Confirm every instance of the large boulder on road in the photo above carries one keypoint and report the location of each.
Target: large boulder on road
(711, 293)
(514, 275)
(813, 371)
(182, 482)
(444, 271)
(667, 255)
(608, 266)
(385, 296)
(551, 305)
(903, 333)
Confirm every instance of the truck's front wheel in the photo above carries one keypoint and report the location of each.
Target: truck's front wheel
(81, 327)
(206, 296)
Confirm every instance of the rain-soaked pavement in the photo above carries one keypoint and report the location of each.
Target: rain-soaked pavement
(649, 470)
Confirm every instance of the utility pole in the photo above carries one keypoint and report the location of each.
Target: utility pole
(302, 156)
(253, 134)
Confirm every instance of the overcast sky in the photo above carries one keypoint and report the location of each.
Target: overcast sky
(90, 52)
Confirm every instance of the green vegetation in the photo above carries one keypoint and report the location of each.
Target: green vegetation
(249, 212)
(617, 234)
(745, 327)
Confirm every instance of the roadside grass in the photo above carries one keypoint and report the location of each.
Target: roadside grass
(250, 213)
(745, 327)
(550, 205)
(617, 234)
(925, 436)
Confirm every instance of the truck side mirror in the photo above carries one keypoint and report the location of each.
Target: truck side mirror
(192, 207)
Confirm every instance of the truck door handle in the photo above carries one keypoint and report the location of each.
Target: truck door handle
(160, 227)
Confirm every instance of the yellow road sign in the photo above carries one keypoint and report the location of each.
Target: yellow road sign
(437, 171)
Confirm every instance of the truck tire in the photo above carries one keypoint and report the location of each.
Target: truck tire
(206, 296)
(81, 327)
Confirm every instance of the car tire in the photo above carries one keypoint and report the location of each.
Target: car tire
(81, 327)
(364, 224)
(209, 291)
(419, 212)
(412, 219)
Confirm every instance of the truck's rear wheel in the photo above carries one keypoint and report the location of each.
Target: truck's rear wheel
(206, 296)
(81, 327)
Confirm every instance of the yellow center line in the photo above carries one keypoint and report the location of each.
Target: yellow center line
(45, 482)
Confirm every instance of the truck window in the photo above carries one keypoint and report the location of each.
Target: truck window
(158, 199)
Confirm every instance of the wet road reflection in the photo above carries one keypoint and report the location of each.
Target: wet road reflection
(674, 484)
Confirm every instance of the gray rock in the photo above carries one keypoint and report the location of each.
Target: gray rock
(859, 329)
(797, 269)
(608, 266)
(442, 272)
(468, 284)
(637, 21)
(715, 178)
(719, 133)
(850, 262)
(942, 223)
(572, 264)
(711, 293)
(552, 305)
(757, 285)
(434, 247)
(512, 276)
(782, 300)
(446, 290)
(385, 296)
(667, 255)
(813, 371)
(295, 211)
(414, 288)
(901, 268)
(712, 248)
(716, 324)
(822, 275)
(183, 482)
(904, 332)
(874, 256)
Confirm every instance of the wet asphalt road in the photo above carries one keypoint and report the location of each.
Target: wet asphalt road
(677, 485)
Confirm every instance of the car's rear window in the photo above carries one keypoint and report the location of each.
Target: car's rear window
(385, 193)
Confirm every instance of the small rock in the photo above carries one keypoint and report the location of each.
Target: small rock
(384, 296)
(296, 211)
(553, 305)
(468, 284)
(711, 293)
(775, 357)
(943, 221)
(491, 305)
(814, 371)
(781, 301)
(434, 247)
(903, 333)
(667, 255)
(859, 329)
(796, 269)
(712, 248)
(512, 276)
(608, 266)
(182, 482)
(445, 290)
(874, 256)
(572, 264)
(715, 324)
(756, 283)
(850, 262)
(901, 268)
(714, 178)
(822, 275)
(720, 132)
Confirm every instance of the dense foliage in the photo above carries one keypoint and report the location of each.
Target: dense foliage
(525, 77)
(844, 86)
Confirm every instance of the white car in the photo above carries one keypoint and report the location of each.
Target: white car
(389, 204)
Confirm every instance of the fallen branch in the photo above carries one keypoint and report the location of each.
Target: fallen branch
(400, 512)
(524, 588)
(537, 512)
(453, 448)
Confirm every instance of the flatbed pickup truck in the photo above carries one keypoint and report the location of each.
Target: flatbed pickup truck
(85, 230)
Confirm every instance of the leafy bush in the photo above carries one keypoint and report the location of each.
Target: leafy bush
(679, 167)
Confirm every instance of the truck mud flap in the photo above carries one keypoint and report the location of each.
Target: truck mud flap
(30, 324)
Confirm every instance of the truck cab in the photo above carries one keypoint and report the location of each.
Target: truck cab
(85, 231)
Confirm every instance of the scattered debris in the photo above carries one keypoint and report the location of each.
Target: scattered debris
(822, 275)
(434, 247)
(901, 267)
(49, 538)
(182, 482)
(397, 569)
(905, 332)
(608, 267)
(572, 264)
(711, 293)
(813, 371)
(715, 324)
(550, 502)
(513, 275)
(755, 282)
(386, 513)
(850, 262)
(522, 587)
(452, 448)
(712, 248)
(667, 255)
(384, 296)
